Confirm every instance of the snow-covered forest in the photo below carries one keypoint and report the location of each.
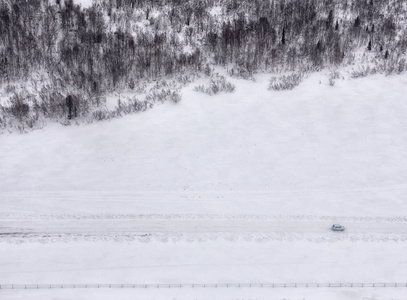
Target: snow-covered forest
(53, 48)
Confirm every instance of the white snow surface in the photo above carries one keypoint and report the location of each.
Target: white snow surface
(234, 188)
(84, 3)
(315, 139)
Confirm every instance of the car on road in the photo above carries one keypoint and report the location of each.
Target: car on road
(338, 227)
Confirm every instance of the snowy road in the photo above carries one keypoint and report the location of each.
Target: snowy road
(141, 226)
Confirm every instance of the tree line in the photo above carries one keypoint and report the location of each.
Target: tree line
(115, 44)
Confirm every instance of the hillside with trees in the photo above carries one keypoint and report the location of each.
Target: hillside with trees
(51, 49)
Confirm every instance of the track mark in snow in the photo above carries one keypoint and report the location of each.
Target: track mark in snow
(184, 237)
(398, 219)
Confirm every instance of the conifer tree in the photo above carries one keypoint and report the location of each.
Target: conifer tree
(283, 37)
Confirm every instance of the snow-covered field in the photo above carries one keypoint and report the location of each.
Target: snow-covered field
(196, 261)
(234, 188)
(314, 140)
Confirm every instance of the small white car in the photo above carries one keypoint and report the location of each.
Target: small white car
(338, 227)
